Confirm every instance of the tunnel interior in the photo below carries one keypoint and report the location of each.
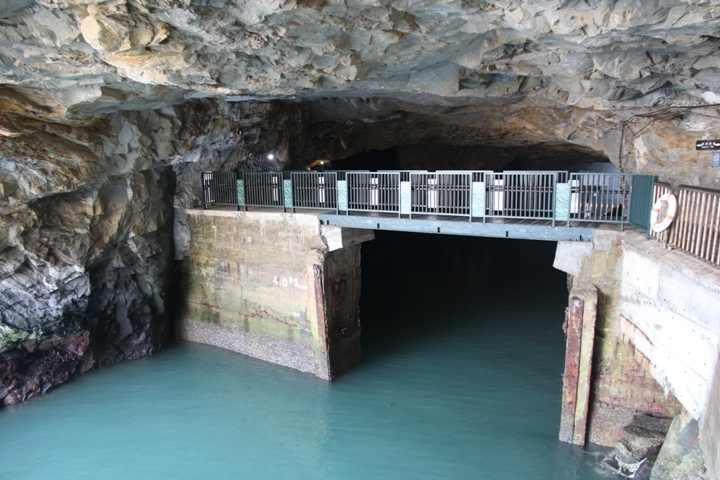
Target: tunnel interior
(416, 286)
(447, 157)
(385, 134)
(469, 333)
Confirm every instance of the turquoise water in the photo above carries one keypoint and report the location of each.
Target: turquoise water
(461, 379)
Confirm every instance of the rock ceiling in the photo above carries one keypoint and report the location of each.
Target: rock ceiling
(607, 78)
(74, 57)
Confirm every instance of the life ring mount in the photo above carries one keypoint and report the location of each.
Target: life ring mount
(666, 199)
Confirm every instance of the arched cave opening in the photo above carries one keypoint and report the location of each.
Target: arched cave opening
(452, 157)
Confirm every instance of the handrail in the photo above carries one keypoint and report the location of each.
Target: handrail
(478, 195)
(219, 188)
(696, 229)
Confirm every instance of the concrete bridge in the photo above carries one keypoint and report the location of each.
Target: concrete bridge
(284, 287)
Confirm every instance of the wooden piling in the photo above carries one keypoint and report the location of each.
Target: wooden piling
(580, 330)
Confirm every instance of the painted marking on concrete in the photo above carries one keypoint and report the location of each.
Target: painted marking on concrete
(288, 282)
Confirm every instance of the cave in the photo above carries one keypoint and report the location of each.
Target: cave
(111, 110)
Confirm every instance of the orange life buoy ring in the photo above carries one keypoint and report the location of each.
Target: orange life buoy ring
(670, 212)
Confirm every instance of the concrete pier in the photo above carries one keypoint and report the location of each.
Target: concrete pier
(274, 286)
(657, 337)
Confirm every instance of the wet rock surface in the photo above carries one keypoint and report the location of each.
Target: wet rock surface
(36, 366)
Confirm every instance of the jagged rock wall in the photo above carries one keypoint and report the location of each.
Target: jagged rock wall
(634, 82)
(658, 141)
(86, 220)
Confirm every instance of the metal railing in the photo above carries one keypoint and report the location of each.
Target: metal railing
(600, 197)
(373, 192)
(696, 229)
(314, 190)
(554, 196)
(521, 195)
(263, 189)
(440, 193)
(219, 189)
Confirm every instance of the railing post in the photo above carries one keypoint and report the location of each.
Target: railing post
(406, 195)
(477, 208)
(240, 191)
(342, 193)
(641, 201)
(554, 197)
(202, 183)
(563, 197)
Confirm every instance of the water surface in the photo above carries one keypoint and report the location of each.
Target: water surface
(461, 378)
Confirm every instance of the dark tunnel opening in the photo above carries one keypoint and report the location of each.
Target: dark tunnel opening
(415, 285)
(433, 157)
(469, 333)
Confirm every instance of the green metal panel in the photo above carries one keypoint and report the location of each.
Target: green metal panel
(342, 195)
(477, 208)
(641, 200)
(562, 202)
(287, 193)
(405, 198)
(240, 187)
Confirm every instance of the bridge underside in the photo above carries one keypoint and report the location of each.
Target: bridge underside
(499, 228)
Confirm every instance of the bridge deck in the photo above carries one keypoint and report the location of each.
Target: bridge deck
(527, 229)
(448, 225)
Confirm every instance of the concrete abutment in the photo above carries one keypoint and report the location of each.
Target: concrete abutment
(656, 348)
(277, 287)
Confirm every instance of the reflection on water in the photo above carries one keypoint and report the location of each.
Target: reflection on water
(461, 378)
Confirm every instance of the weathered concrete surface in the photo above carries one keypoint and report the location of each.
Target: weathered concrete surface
(710, 428)
(681, 457)
(661, 323)
(621, 386)
(342, 295)
(264, 284)
(670, 305)
(569, 256)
